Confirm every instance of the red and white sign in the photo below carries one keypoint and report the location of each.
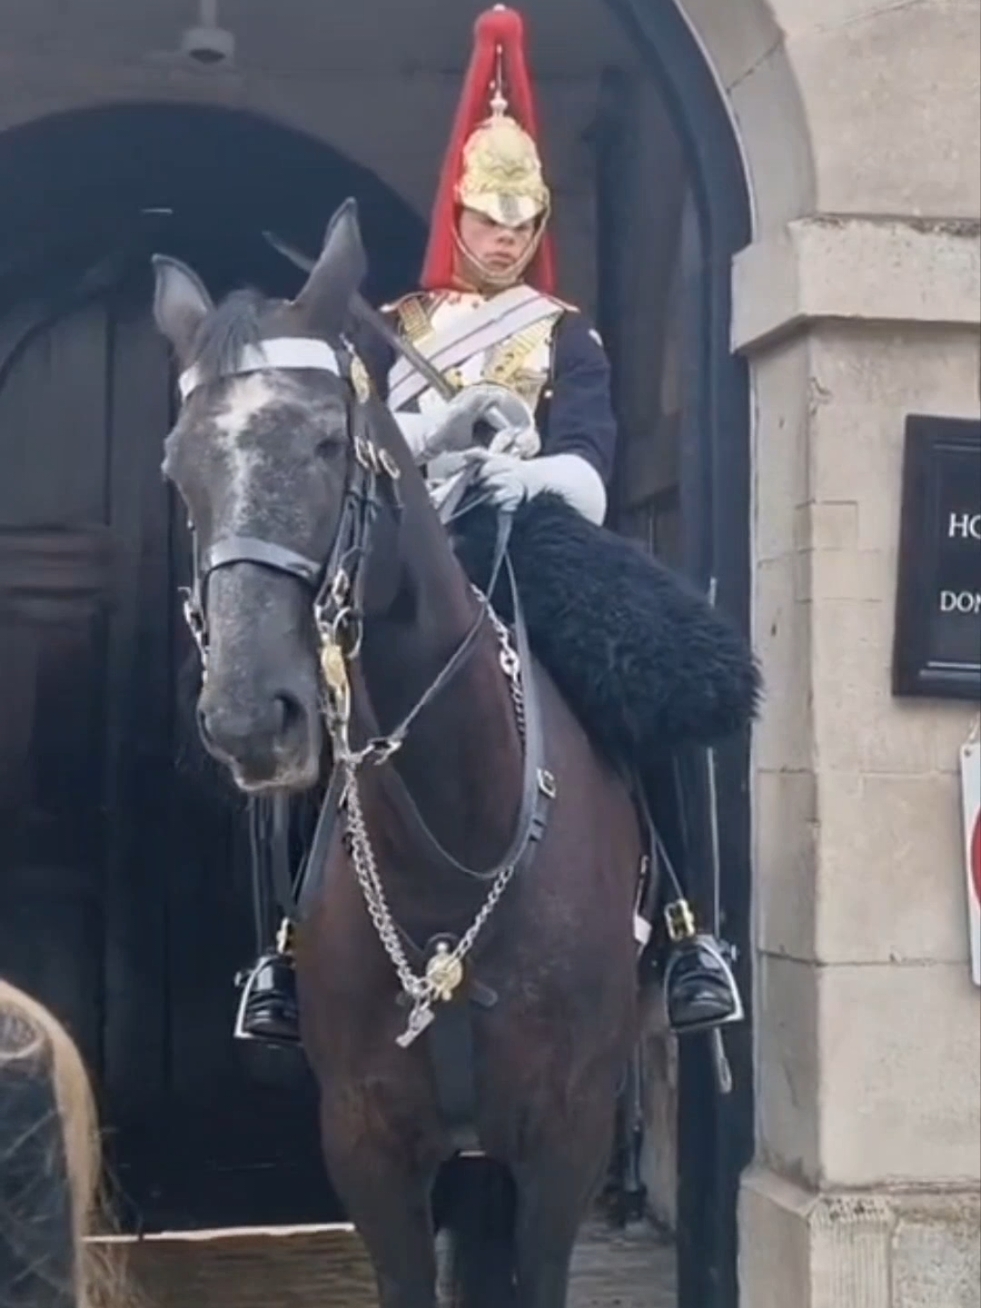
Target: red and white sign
(971, 796)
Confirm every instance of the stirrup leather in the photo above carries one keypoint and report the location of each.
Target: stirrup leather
(679, 918)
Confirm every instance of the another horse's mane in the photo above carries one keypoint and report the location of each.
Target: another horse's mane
(51, 1195)
(228, 330)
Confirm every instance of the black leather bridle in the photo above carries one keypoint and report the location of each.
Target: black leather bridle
(337, 586)
(337, 582)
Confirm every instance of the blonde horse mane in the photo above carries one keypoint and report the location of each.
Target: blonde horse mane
(33, 1040)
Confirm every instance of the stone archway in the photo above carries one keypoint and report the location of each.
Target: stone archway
(102, 175)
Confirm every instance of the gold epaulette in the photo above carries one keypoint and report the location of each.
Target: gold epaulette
(412, 311)
(395, 305)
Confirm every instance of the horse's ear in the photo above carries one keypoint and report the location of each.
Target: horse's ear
(180, 303)
(323, 303)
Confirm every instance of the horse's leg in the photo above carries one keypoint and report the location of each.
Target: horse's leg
(555, 1189)
(390, 1207)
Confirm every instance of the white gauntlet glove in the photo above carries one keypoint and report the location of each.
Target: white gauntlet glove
(452, 428)
(508, 480)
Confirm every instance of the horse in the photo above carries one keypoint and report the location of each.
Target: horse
(49, 1166)
(485, 861)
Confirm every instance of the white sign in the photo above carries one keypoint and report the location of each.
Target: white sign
(971, 796)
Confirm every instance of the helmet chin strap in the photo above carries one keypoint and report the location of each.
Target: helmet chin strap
(475, 275)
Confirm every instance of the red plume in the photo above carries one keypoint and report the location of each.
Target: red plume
(496, 29)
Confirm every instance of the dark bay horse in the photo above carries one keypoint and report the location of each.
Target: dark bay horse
(329, 591)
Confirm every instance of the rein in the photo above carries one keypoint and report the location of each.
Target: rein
(337, 587)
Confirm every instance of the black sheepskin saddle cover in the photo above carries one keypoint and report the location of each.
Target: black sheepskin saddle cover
(640, 656)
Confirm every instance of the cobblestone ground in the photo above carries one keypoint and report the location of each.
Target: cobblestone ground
(327, 1269)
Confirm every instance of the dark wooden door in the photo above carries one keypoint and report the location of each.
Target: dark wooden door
(124, 896)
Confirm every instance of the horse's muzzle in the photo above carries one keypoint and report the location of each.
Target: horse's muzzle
(273, 743)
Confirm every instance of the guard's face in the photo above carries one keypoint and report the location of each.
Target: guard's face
(494, 247)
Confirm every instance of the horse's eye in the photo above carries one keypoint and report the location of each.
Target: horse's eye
(328, 449)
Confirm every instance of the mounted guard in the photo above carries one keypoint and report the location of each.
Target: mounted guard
(478, 686)
(513, 413)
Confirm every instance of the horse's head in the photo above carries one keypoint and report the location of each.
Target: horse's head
(261, 454)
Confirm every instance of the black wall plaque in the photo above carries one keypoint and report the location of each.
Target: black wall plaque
(937, 649)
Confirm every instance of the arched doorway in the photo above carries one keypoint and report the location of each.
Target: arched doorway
(124, 894)
(705, 511)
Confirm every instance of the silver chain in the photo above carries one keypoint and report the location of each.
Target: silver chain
(421, 989)
(510, 663)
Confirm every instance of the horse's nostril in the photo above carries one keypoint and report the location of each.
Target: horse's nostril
(291, 714)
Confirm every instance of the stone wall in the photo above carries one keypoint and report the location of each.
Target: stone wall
(857, 303)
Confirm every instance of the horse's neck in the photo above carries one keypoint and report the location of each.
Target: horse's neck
(461, 759)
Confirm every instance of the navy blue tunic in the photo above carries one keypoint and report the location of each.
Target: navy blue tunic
(575, 413)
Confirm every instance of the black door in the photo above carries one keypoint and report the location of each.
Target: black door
(124, 897)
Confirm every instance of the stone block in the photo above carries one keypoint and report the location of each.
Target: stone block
(785, 813)
(781, 637)
(780, 448)
(902, 137)
(849, 656)
(766, 105)
(863, 1249)
(868, 382)
(774, 1244)
(889, 878)
(900, 1074)
(846, 271)
(827, 526)
(936, 1254)
(845, 574)
(736, 39)
(788, 1065)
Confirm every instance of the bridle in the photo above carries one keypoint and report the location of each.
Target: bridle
(336, 586)
(337, 583)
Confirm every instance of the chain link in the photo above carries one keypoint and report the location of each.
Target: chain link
(423, 991)
(509, 660)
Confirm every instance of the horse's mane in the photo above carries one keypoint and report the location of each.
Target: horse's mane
(226, 331)
(50, 1162)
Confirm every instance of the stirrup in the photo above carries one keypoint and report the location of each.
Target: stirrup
(724, 955)
(246, 981)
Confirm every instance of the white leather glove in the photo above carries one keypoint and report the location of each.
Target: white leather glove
(451, 428)
(508, 480)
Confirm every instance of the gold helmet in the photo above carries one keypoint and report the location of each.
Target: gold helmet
(493, 164)
(502, 170)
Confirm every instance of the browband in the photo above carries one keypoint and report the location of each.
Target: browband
(282, 352)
